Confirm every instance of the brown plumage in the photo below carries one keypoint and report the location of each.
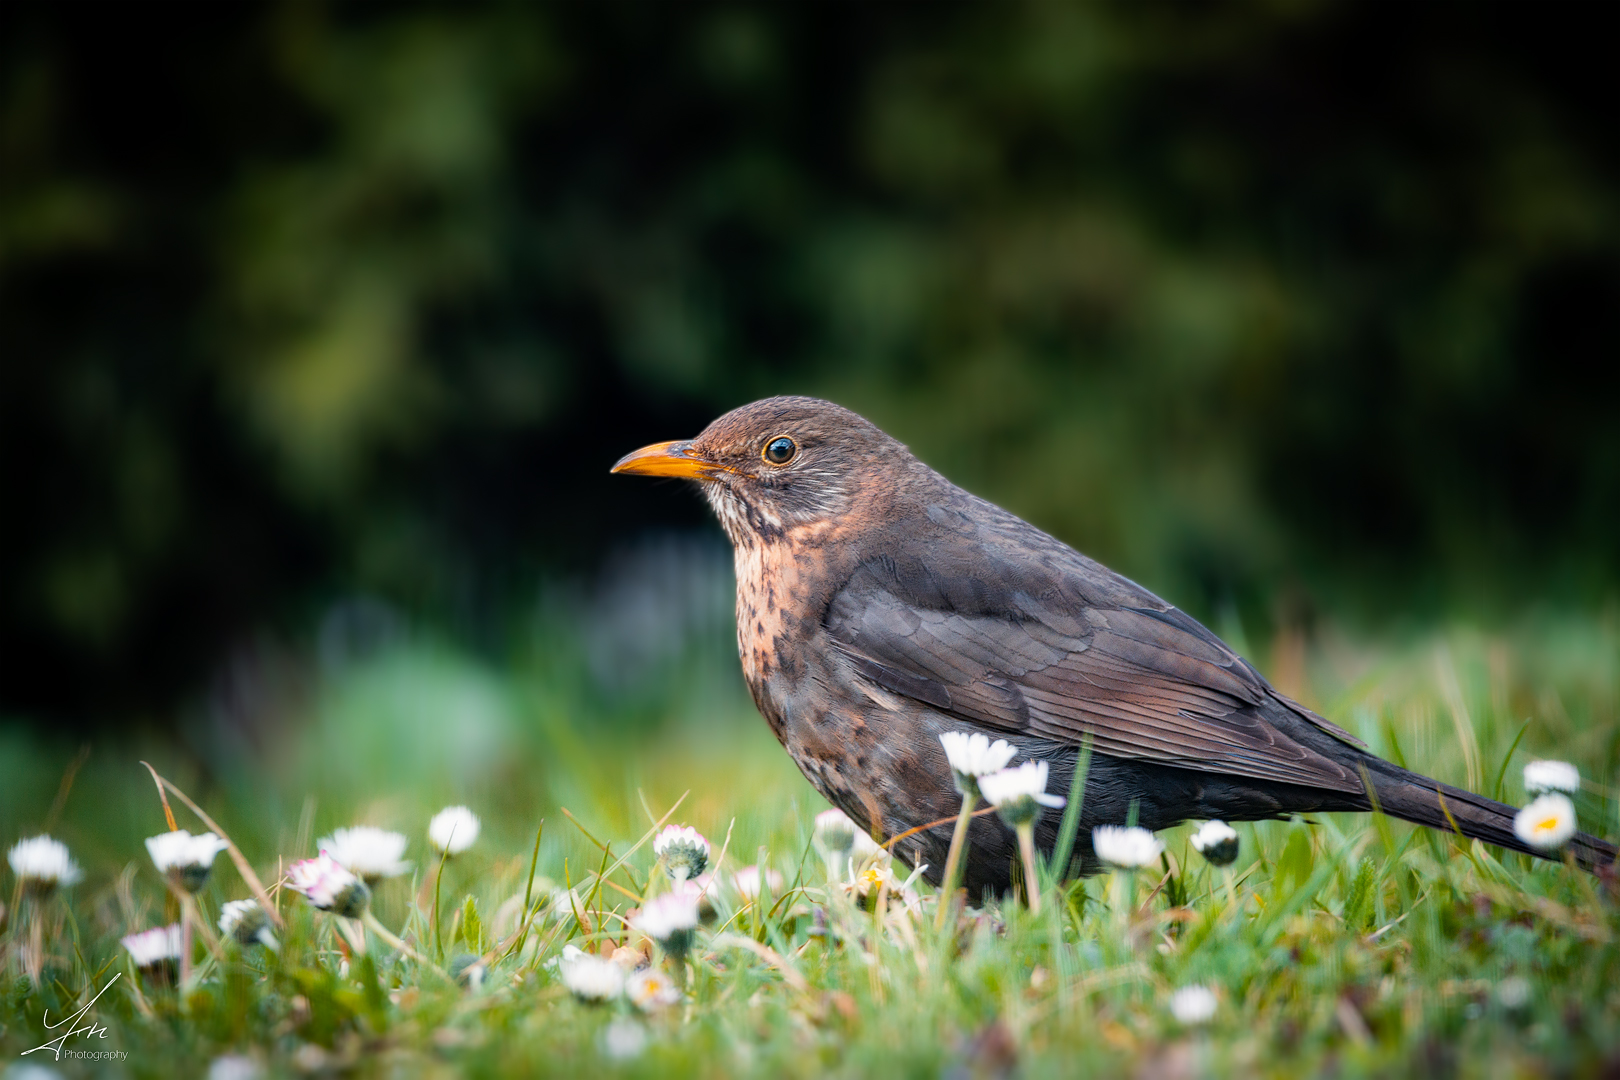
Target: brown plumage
(879, 605)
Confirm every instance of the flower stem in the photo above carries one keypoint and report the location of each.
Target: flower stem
(185, 940)
(953, 862)
(388, 936)
(1032, 882)
(34, 958)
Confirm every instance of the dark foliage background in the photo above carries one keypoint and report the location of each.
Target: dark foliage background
(1277, 307)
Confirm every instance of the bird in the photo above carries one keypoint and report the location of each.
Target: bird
(879, 606)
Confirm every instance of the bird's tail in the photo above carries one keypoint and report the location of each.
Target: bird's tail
(1416, 798)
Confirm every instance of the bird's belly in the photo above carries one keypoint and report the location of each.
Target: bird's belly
(875, 757)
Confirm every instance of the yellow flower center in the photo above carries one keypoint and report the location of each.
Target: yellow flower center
(1547, 824)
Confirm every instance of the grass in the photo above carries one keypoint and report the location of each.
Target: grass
(1352, 945)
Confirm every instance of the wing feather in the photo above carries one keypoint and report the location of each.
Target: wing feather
(1140, 682)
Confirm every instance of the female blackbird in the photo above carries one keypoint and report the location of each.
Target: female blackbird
(878, 605)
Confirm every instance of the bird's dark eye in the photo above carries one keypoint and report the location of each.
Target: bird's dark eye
(780, 450)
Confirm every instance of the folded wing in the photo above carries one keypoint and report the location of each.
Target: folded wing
(1033, 656)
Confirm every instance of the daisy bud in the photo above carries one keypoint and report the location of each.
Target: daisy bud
(41, 864)
(368, 852)
(1129, 848)
(973, 756)
(1019, 794)
(1543, 777)
(1217, 842)
(329, 886)
(1547, 823)
(683, 851)
(183, 858)
(453, 830)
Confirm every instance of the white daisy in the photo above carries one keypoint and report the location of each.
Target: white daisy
(1018, 794)
(1547, 823)
(683, 850)
(973, 756)
(650, 990)
(667, 915)
(329, 886)
(591, 978)
(1541, 777)
(1127, 847)
(1217, 842)
(151, 947)
(453, 829)
(42, 863)
(367, 851)
(246, 922)
(185, 858)
(1193, 1005)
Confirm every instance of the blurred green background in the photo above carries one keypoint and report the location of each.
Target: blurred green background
(321, 323)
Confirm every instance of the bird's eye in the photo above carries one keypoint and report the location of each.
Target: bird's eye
(780, 450)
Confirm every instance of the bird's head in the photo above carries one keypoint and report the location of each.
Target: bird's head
(777, 464)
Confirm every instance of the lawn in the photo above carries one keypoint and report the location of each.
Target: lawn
(1349, 945)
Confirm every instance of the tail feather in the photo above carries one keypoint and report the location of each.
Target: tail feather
(1418, 799)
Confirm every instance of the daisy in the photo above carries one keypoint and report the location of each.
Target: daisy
(683, 850)
(650, 990)
(1542, 777)
(834, 833)
(329, 886)
(1127, 847)
(453, 829)
(184, 858)
(670, 920)
(1547, 823)
(1193, 1005)
(1216, 841)
(1019, 794)
(366, 851)
(42, 863)
(151, 948)
(592, 979)
(245, 922)
(973, 756)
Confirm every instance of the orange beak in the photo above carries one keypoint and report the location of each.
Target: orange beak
(668, 459)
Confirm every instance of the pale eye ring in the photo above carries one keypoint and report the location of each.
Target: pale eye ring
(780, 450)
